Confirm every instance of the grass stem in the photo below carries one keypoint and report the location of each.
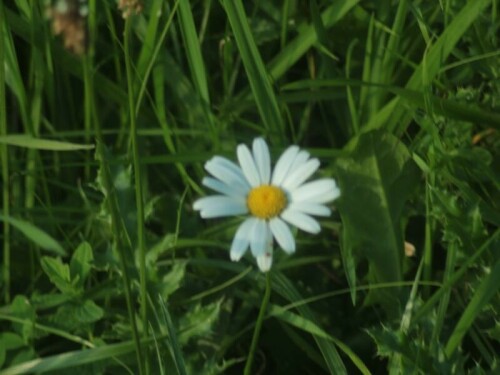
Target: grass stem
(258, 325)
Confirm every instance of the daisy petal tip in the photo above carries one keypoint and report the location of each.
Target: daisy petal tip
(235, 257)
(290, 250)
(196, 205)
(265, 262)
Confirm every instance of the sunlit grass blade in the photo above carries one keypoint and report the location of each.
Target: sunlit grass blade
(26, 141)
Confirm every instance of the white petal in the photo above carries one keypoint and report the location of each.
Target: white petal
(319, 191)
(300, 159)
(283, 165)
(259, 237)
(220, 206)
(241, 240)
(228, 172)
(301, 221)
(310, 208)
(300, 174)
(283, 235)
(265, 261)
(223, 188)
(262, 159)
(248, 165)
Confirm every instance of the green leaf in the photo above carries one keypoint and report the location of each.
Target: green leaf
(198, 321)
(375, 181)
(22, 308)
(27, 141)
(72, 316)
(35, 234)
(172, 280)
(59, 274)
(81, 263)
(9, 341)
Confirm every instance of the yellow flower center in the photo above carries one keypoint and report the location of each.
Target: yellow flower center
(266, 201)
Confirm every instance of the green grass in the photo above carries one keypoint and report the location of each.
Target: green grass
(106, 268)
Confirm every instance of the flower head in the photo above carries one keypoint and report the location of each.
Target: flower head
(271, 200)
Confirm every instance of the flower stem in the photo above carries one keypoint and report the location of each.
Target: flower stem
(258, 325)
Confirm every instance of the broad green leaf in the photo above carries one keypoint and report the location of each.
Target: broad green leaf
(26, 141)
(375, 181)
(58, 273)
(81, 263)
(35, 234)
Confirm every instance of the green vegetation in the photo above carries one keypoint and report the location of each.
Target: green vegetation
(108, 112)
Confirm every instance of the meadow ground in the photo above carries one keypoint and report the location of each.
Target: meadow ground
(109, 111)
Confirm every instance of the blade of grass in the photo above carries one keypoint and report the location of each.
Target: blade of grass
(294, 50)
(285, 288)
(193, 51)
(395, 117)
(27, 141)
(258, 76)
(4, 156)
(71, 359)
(482, 296)
(35, 234)
(451, 254)
(121, 240)
(174, 347)
(312, 328)
(436, 297)
(139, 195)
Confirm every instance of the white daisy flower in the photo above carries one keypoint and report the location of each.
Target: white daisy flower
(271, 200)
